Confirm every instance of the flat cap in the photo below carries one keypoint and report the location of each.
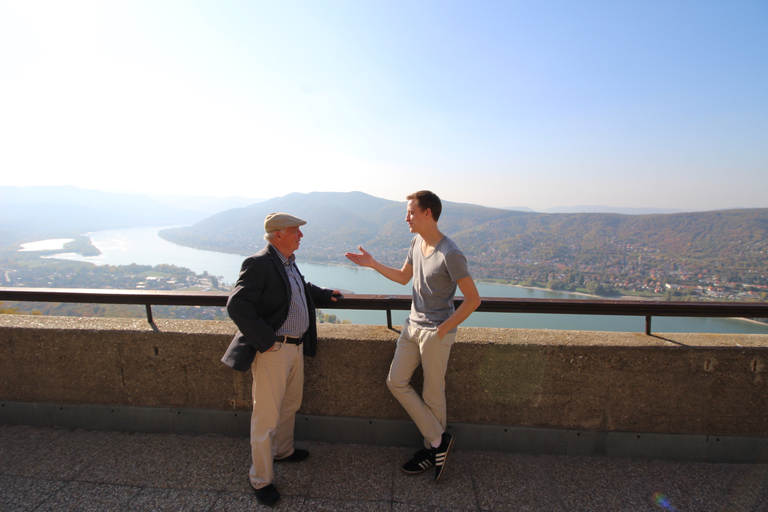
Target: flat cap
(277, 221)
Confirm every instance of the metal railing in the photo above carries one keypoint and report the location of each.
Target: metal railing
(389, 303)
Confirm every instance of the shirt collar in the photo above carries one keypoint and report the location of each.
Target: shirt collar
(286, 261)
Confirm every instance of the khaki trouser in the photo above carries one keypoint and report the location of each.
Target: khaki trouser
(419, 346)
(278, 384)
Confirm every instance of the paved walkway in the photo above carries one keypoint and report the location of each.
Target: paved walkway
(46, 469)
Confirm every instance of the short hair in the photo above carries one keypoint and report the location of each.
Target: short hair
(426, 199)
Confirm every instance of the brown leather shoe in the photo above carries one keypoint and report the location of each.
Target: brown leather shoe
(268, 495)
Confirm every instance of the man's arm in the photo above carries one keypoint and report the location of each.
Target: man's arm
(320, 293)
(470, 304)
(364, 259)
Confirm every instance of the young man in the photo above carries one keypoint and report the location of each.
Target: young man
(274, 310)
(437, 267)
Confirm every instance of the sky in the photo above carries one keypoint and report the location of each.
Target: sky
(639, 104)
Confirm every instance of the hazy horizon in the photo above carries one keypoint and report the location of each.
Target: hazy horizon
(215, 204)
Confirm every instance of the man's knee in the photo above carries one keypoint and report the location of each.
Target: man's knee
(395, 385)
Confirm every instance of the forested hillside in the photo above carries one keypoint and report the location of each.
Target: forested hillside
(630, 252)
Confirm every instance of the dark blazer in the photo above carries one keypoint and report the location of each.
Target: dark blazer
(259, 305)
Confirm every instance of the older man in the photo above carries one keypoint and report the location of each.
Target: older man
(274, 310)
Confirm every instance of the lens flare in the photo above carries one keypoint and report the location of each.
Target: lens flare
(662, 501)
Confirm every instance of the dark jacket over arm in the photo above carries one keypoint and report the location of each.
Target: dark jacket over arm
(259, 305)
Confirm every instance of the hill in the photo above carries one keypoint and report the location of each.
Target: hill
(338, 222)
(514, 245)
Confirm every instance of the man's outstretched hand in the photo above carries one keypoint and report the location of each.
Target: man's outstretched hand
(363, 259)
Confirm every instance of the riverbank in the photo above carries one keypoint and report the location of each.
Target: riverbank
(581, 294)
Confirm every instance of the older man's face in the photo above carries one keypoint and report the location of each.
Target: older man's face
(290, 239)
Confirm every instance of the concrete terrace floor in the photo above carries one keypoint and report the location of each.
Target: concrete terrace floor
(49, 469)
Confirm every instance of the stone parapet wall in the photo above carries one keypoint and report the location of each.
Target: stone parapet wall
(596, 381)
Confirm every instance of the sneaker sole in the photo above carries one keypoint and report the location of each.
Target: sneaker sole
(418, 471)
(445, 460)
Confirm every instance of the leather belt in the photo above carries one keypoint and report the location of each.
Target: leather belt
(288, 339)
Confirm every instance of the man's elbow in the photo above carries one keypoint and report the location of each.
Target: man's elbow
(234, 308)
(475, 303)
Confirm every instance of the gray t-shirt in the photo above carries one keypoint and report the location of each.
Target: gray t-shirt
(434, 282)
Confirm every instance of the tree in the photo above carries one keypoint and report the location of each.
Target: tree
(556, 284)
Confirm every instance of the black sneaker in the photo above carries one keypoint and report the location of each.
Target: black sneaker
(441, 455)
(422, 460)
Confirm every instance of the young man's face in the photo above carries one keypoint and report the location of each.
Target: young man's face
(415, 216)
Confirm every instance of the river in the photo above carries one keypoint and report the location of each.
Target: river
(143, 246)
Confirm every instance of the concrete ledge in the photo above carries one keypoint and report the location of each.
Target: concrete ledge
(568, 381)
(333, 429)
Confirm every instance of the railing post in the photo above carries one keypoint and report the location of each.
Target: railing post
(648, 325)
(150, 319)
(389, 319)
